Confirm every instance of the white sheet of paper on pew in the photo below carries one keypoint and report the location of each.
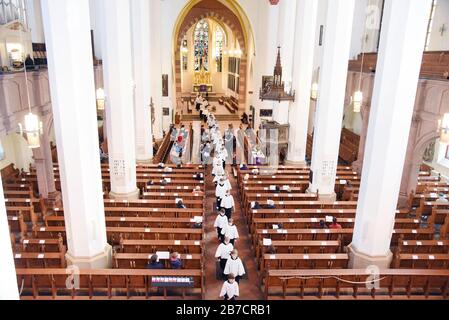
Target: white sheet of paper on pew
(329, 219)
(267, 242)
(275, 227)
(197, 219)
(343, 182)
(433, 195)
(272, 188)
(163, 255)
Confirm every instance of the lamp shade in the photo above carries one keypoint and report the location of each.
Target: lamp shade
(314, 91)
(32, 129)
(357, 100)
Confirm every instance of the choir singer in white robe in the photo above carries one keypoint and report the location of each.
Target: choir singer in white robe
(235, 266)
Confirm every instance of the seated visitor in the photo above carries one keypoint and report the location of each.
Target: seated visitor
(180, 205)
(335, 224)
(154, 263)
(270, 204)
(175, 261)
(322, 225)
(256, 206)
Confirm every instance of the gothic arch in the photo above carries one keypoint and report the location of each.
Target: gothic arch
(227, 13)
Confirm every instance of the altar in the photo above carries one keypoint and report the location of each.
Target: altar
(202, 88)
(202, 82)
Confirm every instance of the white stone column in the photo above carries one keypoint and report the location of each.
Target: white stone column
(119, 91)
(400, 55)
(8, 288)
(330, 105)
(43, 162)
(306, 17)
(67, 33)
(265, 55)
(286, 40)
(156, 66)
(142, 77)
(34, 16)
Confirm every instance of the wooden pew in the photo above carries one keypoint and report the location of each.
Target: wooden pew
(304, 261)
(357, 284)
(110, 284)
(299, 247)
(422, 261)
(423, 246)
(146, 246)
(141, 260)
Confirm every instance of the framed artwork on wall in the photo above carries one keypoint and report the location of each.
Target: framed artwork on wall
(165, 85)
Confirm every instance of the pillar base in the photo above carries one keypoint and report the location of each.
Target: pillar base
(325, 197)
(54, 199)
(357, 166)
(100, 261)
(302, 163)
(144, 161)
(125, 196)
(358, 260)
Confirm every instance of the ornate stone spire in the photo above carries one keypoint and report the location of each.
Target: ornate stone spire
(278, 69)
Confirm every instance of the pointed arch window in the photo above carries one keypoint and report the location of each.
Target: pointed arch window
(201, 46)
(219, 45)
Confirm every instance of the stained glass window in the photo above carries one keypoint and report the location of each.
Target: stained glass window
(219, 44)
(201, 45)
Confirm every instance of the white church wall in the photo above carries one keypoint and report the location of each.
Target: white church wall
(34, 16)
(16, 152)
(439, 36)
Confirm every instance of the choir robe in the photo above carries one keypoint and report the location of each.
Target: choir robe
(235, 267)
(230, 291)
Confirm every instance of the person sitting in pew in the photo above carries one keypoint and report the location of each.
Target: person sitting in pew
(270, 204)
(180, 205)
(442, 198)
(256, 206)
(230, 231)
(175, 261)
(243, 167)
(230, 290)
(335, 224)
(155, 263)
(235, 266)
(220, 223)
(322, 225)
(223, 253)
(199, 177)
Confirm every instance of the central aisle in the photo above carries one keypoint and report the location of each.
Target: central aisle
(249, 288)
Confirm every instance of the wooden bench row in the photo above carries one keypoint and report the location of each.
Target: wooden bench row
(357, 284)
(110, 284)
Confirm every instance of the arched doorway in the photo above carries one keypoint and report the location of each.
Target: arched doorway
(212, 40)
